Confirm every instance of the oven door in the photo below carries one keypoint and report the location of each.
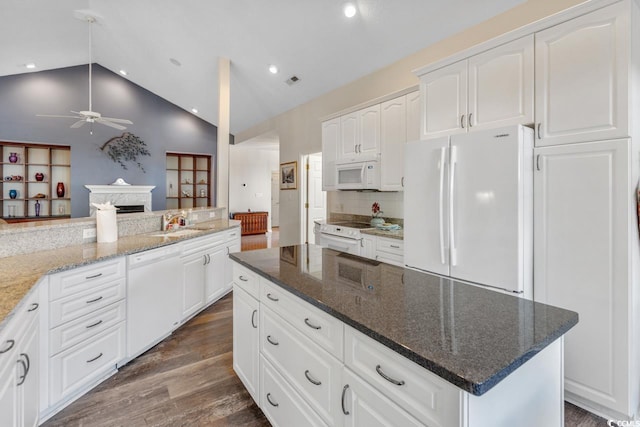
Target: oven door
(338, 243)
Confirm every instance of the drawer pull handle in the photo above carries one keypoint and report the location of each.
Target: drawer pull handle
(10, 343)
(244, 279)
(311, 380)
(272, 342)
(395, 246)
(94, 300)
(25, 366)
(95, 358)
(253, 319)
(93, 277)
(272, 298)
(272, 402)
(311, 325)
(34, 307)
(93, 325)
(388, 378)
(344, 394)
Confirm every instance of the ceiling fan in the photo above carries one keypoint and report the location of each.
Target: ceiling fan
(91, 116)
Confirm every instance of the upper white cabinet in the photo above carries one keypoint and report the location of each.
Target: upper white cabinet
(584, 226)
(393, 127)
(360, 134)
(413, 116)
(330, 138)
(582, 82)
(494, 88)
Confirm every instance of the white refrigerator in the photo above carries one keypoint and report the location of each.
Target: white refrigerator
(468, 207)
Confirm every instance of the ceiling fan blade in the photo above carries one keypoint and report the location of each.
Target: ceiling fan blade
(111, 119)
(108, 123)
(52, 115)
(78, 124)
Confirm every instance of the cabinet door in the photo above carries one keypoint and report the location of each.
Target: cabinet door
(369, 132)
(9, 391)
(368, 246)
(393, 127)
(582, 229)
(349, 136)
(364, 406)
(582, 78)
(232, 247)
(413, 115)
(330, 138)
(29, 387)
(246, 340)
(216, 284)
(193, 284)
(444, 101)
(501, 85)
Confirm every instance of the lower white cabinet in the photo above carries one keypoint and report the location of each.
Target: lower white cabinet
(584, 222)
(364, 406)
(246, 340)
(19, 366)
(384, 249)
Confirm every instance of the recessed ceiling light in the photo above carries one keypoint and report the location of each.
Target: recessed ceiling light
(194, 110)
(350, 10)
(30, 65)
(175, 62)
(273, 69)
(123, 72)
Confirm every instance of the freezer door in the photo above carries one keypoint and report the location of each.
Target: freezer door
(426, 201)
(487, 206)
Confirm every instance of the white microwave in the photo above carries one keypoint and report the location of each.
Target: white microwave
(358, 175)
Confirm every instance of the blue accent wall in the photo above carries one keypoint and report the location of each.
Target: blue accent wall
(160, 124)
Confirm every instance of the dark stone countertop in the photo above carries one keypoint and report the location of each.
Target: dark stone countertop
(470, 336)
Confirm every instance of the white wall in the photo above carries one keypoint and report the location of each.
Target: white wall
(250, 179)
(299, 128)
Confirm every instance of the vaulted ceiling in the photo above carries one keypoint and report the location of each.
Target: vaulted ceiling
(311, 39)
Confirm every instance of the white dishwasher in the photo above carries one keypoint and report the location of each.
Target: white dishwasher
(153, 297)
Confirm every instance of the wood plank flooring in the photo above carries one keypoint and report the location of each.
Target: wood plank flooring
(261, 241)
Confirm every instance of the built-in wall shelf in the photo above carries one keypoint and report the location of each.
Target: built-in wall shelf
(21, 164)
(188, 180)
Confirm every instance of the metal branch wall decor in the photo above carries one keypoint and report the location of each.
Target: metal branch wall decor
(126, 148)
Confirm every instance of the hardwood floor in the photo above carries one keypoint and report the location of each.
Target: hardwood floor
(261, 241)
(188, 380)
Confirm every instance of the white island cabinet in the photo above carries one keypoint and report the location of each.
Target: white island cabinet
(316, 370)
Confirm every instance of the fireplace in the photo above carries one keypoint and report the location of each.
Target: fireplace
(129, 198)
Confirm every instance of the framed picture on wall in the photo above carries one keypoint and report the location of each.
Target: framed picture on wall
(289, 176)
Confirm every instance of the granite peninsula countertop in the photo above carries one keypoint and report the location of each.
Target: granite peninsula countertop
(470, 336)
(19, 274)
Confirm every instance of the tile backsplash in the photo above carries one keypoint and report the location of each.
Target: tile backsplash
(359, 203)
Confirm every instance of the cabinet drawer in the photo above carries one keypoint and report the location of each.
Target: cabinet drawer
(424, 395)
(83, 278)
(310, 370)
(192, 246)
(393, 246)
(246, 279)
(74, 306)
(322, 328)
(71, 333)
(84, 363)
(233, 234)
(280, 403)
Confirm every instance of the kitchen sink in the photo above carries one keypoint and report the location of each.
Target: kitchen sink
(176, 233)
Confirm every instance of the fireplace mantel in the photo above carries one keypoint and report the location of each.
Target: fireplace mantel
(120, 195)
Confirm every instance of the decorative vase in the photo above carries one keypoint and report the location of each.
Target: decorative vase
(13, 194)
(39, 176)
(60, 189)
(376, 221)
(13, 157)
(37, 206)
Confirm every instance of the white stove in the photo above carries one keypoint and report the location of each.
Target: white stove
(341, 236)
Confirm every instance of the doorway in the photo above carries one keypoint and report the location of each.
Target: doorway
(314, 200)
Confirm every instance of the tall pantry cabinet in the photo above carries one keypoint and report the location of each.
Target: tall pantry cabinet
(586, 171)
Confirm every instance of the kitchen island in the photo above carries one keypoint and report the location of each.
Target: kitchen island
(487, 358)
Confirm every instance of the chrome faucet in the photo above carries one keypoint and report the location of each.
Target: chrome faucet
(171, 221)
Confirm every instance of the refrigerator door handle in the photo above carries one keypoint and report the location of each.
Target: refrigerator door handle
(443, 158)
(452, 228)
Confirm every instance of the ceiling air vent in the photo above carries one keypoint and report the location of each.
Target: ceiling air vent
(292, 80)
